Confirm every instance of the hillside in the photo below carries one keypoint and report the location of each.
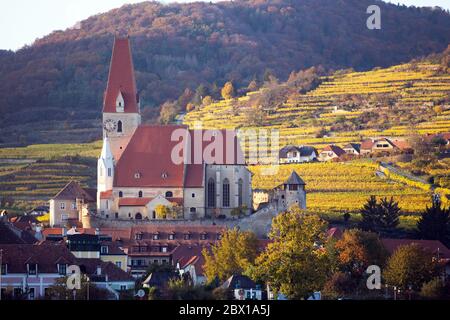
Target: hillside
(51, 92)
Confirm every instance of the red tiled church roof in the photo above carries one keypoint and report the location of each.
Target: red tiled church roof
(134, 202)
(121, 78)
(434, 246)
(147, 159)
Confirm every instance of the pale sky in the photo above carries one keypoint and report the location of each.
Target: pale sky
(23, 21)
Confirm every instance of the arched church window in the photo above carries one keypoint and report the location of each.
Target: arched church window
(226, 193)
(138, 216)
(240, 192)
(140, 194)
(119, 126)
(169, 194)
(211, 193)
(120, 194)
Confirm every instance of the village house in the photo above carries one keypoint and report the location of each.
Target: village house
(384, 146)
(30, 270)
(189, 261)
(331, 152)
(137, 172)
(293, 154)
(352, 149)
(243, 288)
(72, 205)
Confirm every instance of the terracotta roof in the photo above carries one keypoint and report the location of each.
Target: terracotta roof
(106, 194)
(434, 246)
(73, 190)
(238, 282)
(45, 255)
(334, 233)
(355, 146)
(186, 255)
(121, 78)
(147, 159)
(134, 202)
(337, 150)
(401, 144)
(367, 144)
(178, 201)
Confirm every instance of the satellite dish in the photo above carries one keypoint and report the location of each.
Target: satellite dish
(141, 293)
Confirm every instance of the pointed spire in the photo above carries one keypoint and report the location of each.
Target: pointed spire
(294, 178)
(121, 78)
(106, 150)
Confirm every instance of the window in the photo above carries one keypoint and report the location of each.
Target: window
(164, 249)
(169, 194)
(219, 236)
(104, 249)
(31, 293)
(137, 175)
(156, 236)
(4, 269)
(62, 206)
(17, 292)
(120, 194)
(138, 236)
(171, 236)
(203, 236)
(109, 172)
(193, 195)
(187, 236)
(32, 269)
(140, 194)
(119, 264)
(138, 216)
(64, 217)
(240, 192)
(74, 206)
(293, 187)
(119, 126)
(62, 269)
(226, 193)
(192, 210)
(116, 215)
(123, 288)
(211, 193)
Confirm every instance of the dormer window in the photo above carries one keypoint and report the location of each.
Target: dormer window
(171, 236)
(155, 236)
(187, 236)
(32, 268)
(138, 236)
(164, 175)
(137, 175)
(140, 194)
(120, 103)
(104, 249)
(62, 269)
(203, 236)
(4, 269)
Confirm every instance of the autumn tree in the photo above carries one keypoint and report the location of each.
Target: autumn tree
(207, 100)
(295, 262)
(434, 222)
(168, 112)
(59, 291)
(162, 212)
(228, 90)
(233, 254)
(410, 265)
(358, 249)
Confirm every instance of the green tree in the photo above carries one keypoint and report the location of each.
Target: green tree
(295, 262)
(410, 265)
(434, 222)
(228, 90)
(180, 289)
(233, 254)
(383, 216)
(59, 291)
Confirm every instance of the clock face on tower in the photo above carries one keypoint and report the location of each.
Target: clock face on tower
(110, 125)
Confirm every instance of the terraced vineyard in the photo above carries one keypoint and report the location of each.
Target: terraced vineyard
(33, 174)
(344, 187)
(418, 87)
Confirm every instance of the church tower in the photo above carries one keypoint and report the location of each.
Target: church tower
(121, 105)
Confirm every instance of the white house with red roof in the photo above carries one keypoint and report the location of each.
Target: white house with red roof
(142, 167)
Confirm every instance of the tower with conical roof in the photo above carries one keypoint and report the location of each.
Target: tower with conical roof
(121, 105)
(291, 192)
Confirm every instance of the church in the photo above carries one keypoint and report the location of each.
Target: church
(144, 170)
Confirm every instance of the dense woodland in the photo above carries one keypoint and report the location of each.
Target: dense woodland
(57, 83)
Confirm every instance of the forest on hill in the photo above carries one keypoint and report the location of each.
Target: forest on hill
(52, 90)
